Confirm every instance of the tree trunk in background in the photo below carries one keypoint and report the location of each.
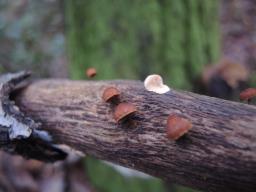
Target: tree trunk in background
(131, 39)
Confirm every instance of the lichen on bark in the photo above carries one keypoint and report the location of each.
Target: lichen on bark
(20, 134)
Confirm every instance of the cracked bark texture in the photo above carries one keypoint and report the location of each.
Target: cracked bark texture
(218, 154)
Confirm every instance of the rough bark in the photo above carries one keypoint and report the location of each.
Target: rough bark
(218, 154)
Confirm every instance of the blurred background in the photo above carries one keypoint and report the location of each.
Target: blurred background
(208, 47)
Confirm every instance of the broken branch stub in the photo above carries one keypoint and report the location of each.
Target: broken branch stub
(18, 133)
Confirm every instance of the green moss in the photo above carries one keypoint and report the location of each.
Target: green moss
(117, 42)
(1, 69)
(173, 41)
(131, 39)
(182, 189)
(202, 35)
(252, 80)
(106, 179)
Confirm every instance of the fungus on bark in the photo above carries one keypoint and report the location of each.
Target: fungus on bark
(155, 83)
(124, 111)
(177, 126)
(110, 94)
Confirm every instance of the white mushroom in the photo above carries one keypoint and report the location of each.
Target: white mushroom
(155, 83)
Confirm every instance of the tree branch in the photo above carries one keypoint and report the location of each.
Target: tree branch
(217, 154)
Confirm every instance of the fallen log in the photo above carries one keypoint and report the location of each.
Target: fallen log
(217, 154)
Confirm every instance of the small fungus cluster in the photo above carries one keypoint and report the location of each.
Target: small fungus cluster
(122, 111)
(176, 125)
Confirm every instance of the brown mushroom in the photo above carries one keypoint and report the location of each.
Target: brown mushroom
(110, 94)
(177, 126)
(91, 72)
(123, 111)
(248, 94)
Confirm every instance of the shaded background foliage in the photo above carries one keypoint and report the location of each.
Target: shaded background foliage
(122, 39)
(32, 37)
(131, 39)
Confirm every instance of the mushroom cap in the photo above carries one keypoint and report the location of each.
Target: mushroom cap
(247, 94)
(91, 72)
(155, 83)
(233, 73)
(110, 93)
(123, 110)
(177, 126)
